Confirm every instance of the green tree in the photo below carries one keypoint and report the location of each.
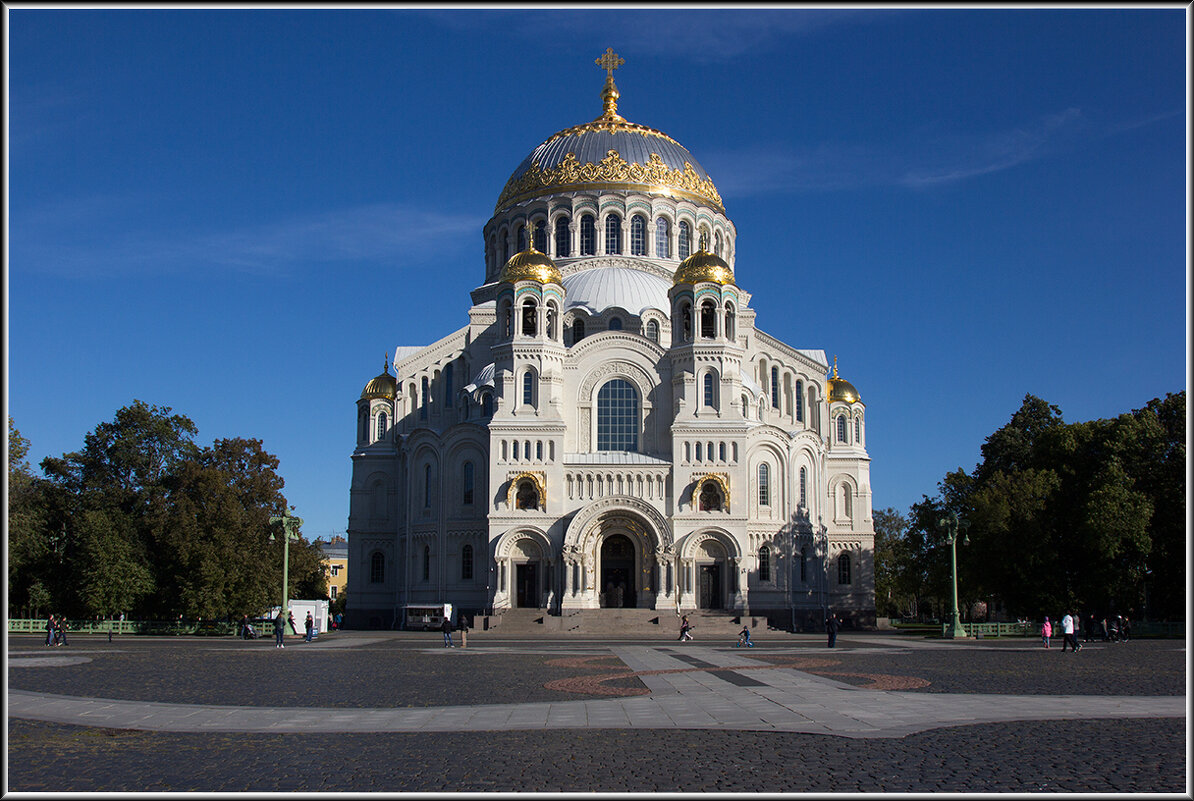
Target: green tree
(891, 562)
(29, 549)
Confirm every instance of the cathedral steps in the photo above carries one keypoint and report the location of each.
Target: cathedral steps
(614, 623)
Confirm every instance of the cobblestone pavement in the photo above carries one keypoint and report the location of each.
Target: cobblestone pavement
(381, 672)
(1053, 756)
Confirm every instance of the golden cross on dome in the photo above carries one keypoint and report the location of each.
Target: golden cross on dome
(530, 234)
(835, 365)
(610, 61)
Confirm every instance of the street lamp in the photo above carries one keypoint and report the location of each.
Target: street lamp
(290, 531)
(949, 527)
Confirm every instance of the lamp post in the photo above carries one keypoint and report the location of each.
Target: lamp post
(290, 531)
(824, 532)
(949, 527)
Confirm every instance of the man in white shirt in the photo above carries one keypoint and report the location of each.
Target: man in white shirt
(1067, 628)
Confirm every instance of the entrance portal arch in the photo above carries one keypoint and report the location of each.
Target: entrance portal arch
(618, 553)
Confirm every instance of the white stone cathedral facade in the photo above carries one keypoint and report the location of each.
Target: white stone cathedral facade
(611, 428)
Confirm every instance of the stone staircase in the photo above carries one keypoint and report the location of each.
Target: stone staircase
(620, 623)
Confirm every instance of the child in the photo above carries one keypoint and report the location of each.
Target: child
(744, 638)
(1046, 631)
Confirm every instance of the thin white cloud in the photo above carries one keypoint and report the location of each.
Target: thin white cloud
(923, 161)
(92, 238)
(701, 35)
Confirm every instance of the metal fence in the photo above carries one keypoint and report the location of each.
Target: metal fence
(216, 628)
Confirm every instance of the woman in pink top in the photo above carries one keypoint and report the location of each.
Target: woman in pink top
(1046, 632)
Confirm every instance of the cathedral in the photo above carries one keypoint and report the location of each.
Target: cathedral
(610, 427)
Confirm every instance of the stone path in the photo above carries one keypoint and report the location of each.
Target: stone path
(727, 691)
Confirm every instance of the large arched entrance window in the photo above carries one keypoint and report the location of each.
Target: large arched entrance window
(617, 416)
(618, 573)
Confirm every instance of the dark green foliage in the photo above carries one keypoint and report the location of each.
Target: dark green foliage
(145, 522)
(1083, 517)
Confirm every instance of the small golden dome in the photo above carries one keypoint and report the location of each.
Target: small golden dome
(840, 389)
(383, 386)
(703, 266)
(531, 265)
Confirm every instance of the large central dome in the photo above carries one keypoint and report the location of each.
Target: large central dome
(610, 154)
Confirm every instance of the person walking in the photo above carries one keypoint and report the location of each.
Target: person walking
(279, 629)
(446, 628)
(1067, 630)
(1125, 629)
(685, 629)
(1046, 631)
(60, 631)
(50, 624)
(831, 626)
(310, 625)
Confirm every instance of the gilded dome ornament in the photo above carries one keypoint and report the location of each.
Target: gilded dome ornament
(703, 266)
(610, 154)
(383, 386)
(840, 389)
(531, 265)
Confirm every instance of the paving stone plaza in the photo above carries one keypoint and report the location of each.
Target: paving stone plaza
(399, 712)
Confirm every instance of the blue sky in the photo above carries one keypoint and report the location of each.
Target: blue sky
(237, 213)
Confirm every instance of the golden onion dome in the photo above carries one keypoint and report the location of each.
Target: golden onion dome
(610, 154)
(840, 389)
(383, 386)
(531, 265)
(703, 266)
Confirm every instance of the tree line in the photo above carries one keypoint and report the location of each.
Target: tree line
(1087, 517)
(143, 521)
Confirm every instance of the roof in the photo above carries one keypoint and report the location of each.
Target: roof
(600, 288)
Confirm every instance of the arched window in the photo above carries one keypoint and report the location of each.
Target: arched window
(685, 244)
(745, 406)
(487, 405)
(381, 425)
(466, 482)
(857, 430)
(708, 390)
(764, 484)
(516, 446)
(426, 486)
(530, 314)
(448, 386)
(729, 322)
(528, 388)
(774, 387)
(717, 243)
(721, 451)
(615, 324)
(847, 501)
(803, 488)
(617, 416)
(578, 330)
(764, 564)
(505, 247)
(377, 568)
(799, 401)
(562, 237)
(426, 399)
(653, 331)
(843, 569)
(663, 243)
(700, 451)
(708, 319)
(613, 235)
(841, 428)
(804, 565)
(522, 238)
(686, 322)
(588, 236)
(638, 236)
(363, 425)
(466, 562)
(541, 236)
(552, 316)
(426, 562)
